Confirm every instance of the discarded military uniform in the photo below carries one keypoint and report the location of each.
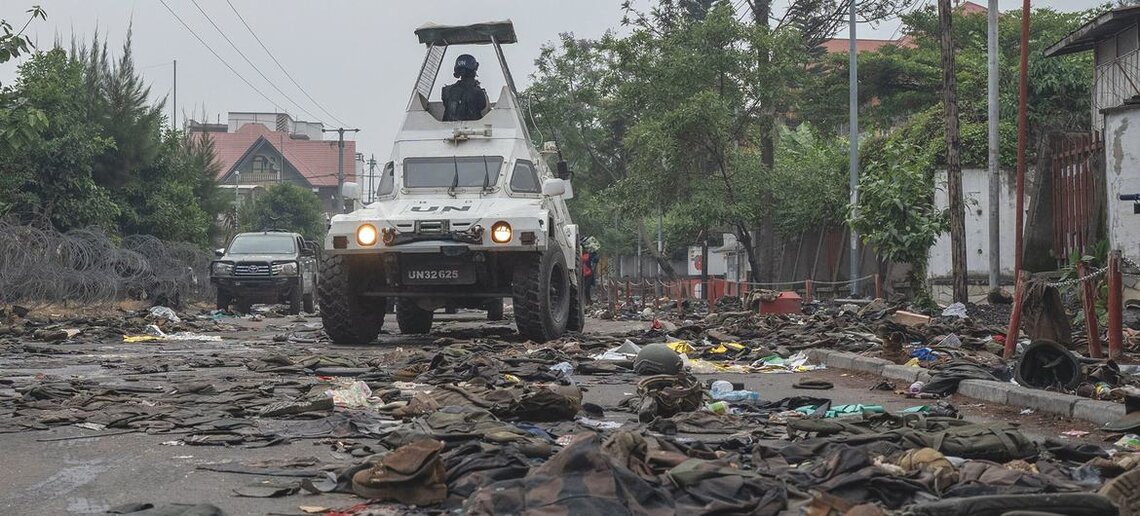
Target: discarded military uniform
(412, 474)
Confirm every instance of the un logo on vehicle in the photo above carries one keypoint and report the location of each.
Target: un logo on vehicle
(445, 209)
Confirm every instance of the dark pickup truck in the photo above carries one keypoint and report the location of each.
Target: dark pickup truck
(266, 267)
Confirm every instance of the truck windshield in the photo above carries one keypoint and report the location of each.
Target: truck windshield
(263, 244)
(455, 171)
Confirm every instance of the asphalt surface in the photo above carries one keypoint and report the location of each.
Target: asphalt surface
(60, 471)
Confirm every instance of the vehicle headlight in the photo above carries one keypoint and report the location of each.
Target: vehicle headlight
(289, 269)
(366, 235)
(501, 232)
(222, 268)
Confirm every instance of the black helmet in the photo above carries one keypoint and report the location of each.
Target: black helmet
(465, 65)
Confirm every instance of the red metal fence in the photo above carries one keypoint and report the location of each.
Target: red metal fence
(1075, 198)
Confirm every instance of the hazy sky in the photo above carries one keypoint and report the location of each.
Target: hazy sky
(356, 58)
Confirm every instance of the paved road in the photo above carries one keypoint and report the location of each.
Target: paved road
(44, 475)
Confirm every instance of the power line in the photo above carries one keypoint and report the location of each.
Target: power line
(242, 54)
(203, 42)
(282, 67)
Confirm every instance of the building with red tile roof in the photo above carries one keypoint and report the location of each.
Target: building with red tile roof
(260, 149)
(842, 46)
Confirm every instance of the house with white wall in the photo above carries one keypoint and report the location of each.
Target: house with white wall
(1114, 37)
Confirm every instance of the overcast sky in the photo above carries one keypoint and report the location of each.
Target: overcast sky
(356, 58)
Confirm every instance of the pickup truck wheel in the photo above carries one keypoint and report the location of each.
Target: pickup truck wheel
(223, 299)
(495, 309)
(307, 300)
(348, 318)
(295, 301)
(412, 318)
(541, 292)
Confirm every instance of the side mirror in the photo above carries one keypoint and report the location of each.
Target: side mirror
(220, 252)
(553, 187)
(563, 170)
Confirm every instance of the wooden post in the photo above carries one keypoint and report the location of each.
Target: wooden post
(809, 288)
(1115, 307)
(1088, 303)
(628, 294)
(1014, 330)
(953, 161)
(878, 286)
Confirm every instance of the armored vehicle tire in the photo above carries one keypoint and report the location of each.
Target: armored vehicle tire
(223, 299)
(295, 301)
(541, 292)
(307, 299)
(577, 321)
(412, 318)
(347, 317)
(495, 309)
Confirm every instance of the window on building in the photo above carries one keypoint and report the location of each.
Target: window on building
(387, 180)
(263, 170)
(1128, 41)
(524, 179)
(1106, 51)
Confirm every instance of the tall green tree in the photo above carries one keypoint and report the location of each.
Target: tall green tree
(701, 87)
(19, 122)
(50, 175)
(285, 206)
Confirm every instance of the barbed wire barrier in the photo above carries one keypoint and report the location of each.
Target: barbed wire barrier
(86, 266)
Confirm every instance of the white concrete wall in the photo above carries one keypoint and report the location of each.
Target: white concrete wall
(1122, 171)
(975, 193)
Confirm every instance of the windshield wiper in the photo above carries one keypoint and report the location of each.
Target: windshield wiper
(455, 180)
(486, 175)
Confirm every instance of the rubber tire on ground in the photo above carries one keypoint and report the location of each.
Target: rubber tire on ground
(242, 306)
(307, 300)
(295, 301)
(412, 318)
(495, 309)
(223, 300)
(540, 314)
(347, 317)
(577, 320)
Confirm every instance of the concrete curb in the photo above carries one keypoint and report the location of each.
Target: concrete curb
(1067, 405)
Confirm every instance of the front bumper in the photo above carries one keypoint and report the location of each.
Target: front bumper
(528, 234)
(271, 286)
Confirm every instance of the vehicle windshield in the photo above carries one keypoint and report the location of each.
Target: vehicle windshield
(456, 171)
(263, 244)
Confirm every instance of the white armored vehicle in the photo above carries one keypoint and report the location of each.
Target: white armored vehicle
(467, 213)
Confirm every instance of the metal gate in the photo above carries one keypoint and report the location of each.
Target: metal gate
(1076, 164)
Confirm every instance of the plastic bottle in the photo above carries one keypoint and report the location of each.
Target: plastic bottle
(564, 369)
(718, 407)
(741, 396)
(719, 388)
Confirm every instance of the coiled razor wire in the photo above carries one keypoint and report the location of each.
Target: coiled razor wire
(86, 266)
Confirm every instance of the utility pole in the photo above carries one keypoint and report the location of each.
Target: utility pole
(705, 266)
(339, 197)
(1019, 214)
(174, 108)
(995, 167)
(371, 175)
(953, 159)
(853, 157)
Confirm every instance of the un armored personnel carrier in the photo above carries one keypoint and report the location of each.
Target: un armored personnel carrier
(467, 213)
